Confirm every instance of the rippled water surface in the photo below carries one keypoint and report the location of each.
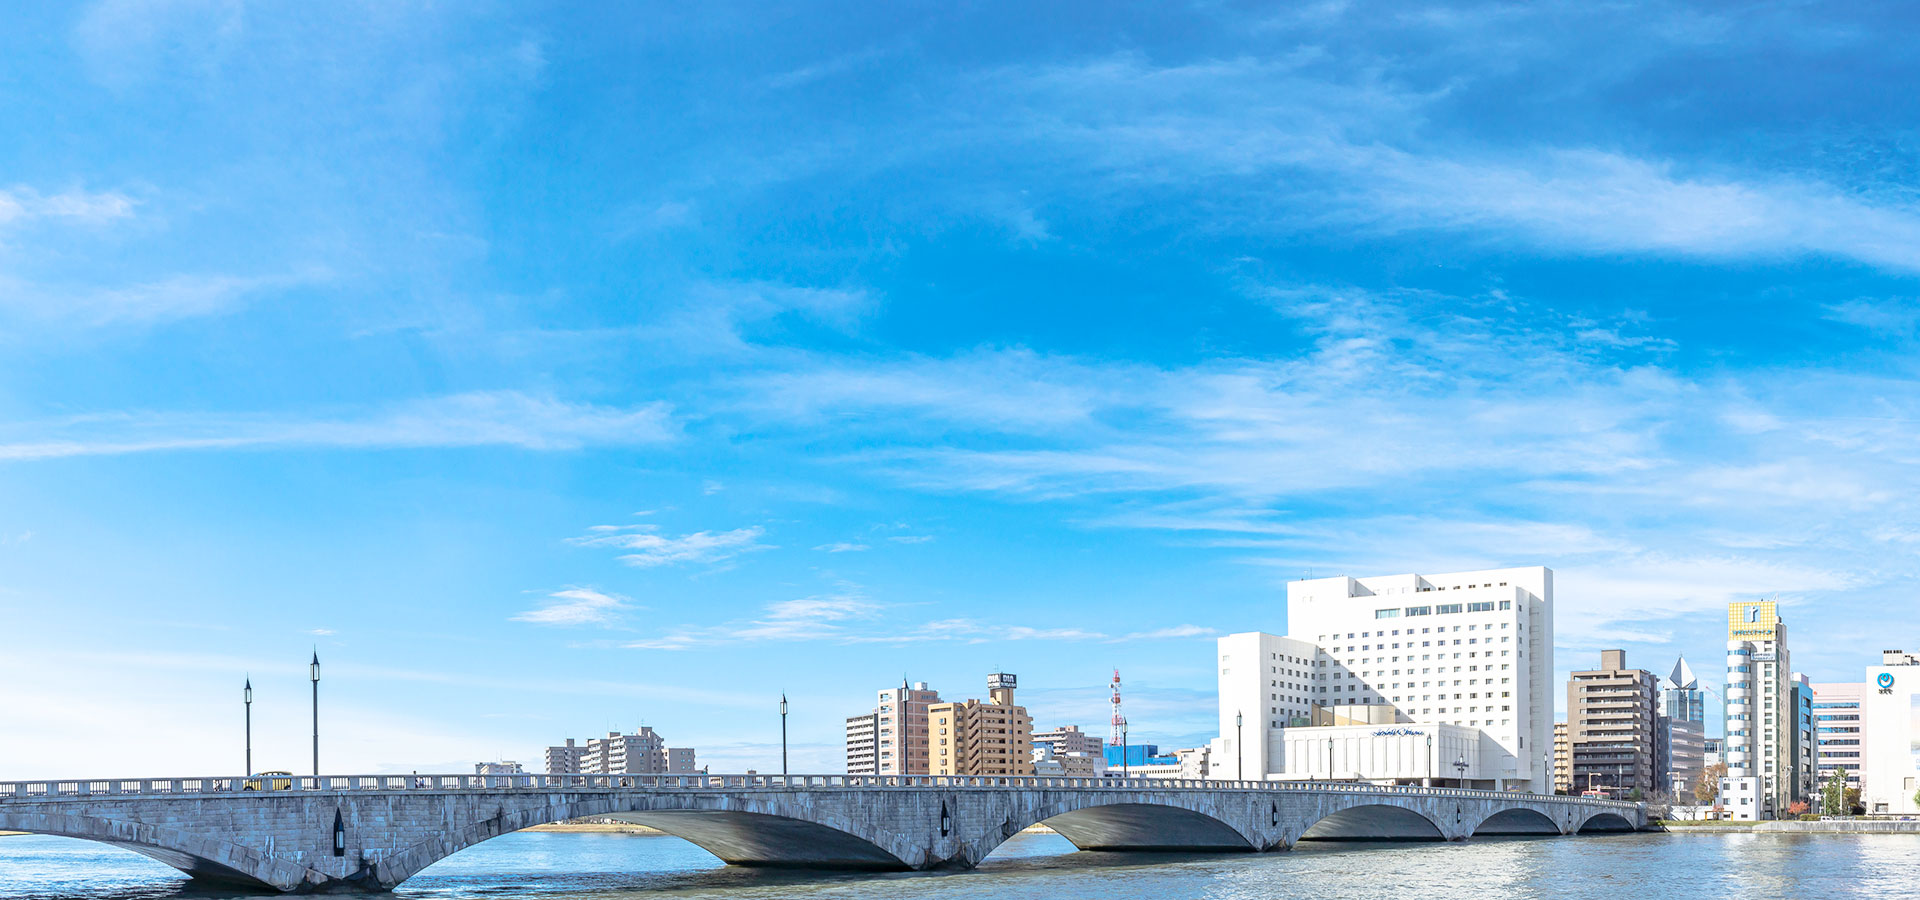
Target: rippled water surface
(612, 866)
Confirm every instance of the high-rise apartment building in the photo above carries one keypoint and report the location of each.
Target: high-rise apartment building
(1761, 773)
(1562, 760)
(892, 739)
(1069, 751)
(1680, 732)
(566, 758)
(863, 745)
(1610, 733)
(975, 738)
(1836, 732)
(643, 752)
(1467, 656)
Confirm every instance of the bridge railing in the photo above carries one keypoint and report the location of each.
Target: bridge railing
(232, 784)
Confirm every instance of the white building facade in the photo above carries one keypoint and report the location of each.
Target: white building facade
(1890, 735)
(1836, 724)
(1465, 659)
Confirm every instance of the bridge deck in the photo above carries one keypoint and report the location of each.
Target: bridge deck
(230, 784)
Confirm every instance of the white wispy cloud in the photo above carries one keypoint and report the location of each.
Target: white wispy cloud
(481, 418)
(577, 606)
(1503, 434)
(1350, 153)
(648, 548)
(20, 205)
(843, 547)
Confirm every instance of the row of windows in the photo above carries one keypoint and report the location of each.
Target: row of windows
(1410, 632)
(1441, 609)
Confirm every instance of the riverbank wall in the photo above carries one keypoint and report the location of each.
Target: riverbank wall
(1859, 826)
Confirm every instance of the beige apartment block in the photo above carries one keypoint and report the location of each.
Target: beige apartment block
(975, 738)
(643, 752)
(892, 740)
(1562, 760)
(1610, 728)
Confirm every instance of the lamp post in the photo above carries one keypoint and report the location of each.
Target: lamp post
(1239, 749)
(1460, 766)
(1329, 759)
(313, 671)
(783, 734)
(1429, 760)
(1123, 750)
(246, 696)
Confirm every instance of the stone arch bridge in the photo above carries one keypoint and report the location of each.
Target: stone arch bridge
(300, 833)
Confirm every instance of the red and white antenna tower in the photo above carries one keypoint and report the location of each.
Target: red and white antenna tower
(1119, 720)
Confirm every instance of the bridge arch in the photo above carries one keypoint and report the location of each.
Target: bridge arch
(205, 859)
(1139, 823)
(1517, 820)
(751, 833)
(1604, 821)
(1374, 822)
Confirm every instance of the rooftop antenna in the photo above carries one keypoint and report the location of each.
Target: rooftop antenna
(1119, 719)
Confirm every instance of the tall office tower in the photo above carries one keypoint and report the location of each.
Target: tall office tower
(892, 740)
(1760, 713)
(1468, 656)
(1610, 713)
(975, 738)
(1681, 731)
(1802, 751)
(1836, 732)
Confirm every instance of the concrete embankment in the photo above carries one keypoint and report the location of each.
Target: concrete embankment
(594, 828)
(1847, 826)
(1841, 827)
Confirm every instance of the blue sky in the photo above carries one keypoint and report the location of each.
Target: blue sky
(554, 370)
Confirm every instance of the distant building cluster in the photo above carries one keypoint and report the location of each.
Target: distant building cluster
(912, 731)
(643, 752)
(1447, 680)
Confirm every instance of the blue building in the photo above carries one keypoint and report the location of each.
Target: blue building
(1138, 755)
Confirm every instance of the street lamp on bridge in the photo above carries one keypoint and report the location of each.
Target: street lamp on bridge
(313, 671)
(1239, 749)
(246, 697)
(783, 734)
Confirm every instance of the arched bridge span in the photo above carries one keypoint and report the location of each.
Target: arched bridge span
(298, 833)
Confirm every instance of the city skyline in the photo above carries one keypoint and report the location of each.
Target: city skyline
(560, 372)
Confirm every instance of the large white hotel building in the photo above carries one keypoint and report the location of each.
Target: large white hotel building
(1437, 679)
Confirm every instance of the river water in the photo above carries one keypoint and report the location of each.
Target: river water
(629, 867)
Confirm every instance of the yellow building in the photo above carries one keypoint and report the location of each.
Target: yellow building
(975, 738)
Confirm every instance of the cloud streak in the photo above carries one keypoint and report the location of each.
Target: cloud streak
(647, 548)
(575, 607)
(475, 419)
